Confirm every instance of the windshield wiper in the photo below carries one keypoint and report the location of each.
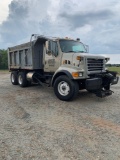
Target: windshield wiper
(76, 51)
(81, 51)
(70, 51)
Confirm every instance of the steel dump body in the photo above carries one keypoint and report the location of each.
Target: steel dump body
(27, 56)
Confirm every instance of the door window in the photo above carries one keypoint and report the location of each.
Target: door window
(53, 47)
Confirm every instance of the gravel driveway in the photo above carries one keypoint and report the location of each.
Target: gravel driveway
(35, 125)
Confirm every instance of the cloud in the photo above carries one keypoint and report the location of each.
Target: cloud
(114, 58)
(14, 26)
(95, 22)
(23, 19)
(4, 10)
(80, 19)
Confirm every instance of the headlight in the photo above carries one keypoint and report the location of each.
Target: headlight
(81, 74)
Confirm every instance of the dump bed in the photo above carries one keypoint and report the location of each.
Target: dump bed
(27, 56)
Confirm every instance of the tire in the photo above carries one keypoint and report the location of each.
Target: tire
(14, 78)
(22, 81)
(29, 83)
(65, 89)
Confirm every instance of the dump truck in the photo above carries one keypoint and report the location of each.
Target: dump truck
(61, 63)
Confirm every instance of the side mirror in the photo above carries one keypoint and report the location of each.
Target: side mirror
(87, 48)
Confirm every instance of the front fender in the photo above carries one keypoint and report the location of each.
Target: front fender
(59, 73)
(65, 70)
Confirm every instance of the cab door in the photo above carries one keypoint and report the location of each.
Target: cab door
(52, 60)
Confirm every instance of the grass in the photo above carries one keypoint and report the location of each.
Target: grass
(4, 71)
(117, 69)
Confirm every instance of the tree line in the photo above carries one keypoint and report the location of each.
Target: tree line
(3, 59)
(112, 65)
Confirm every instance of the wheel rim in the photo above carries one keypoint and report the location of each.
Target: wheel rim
(12, 78)
(63, 88)
(20, 80)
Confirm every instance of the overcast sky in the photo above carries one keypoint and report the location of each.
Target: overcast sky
(95, 22)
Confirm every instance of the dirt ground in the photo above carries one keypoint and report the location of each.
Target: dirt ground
(35, 125)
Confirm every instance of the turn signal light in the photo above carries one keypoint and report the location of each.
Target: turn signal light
(75, 74)
(78, 58)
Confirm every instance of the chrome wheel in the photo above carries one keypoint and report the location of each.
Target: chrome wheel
(63, 88)
(20, 80)
(12, 78)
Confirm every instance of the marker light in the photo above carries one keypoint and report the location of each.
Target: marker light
(75, 74)
(78, 58)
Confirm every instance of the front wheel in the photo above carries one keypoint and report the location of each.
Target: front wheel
(65, 89)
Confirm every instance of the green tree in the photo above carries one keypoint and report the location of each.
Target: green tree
(3, 59)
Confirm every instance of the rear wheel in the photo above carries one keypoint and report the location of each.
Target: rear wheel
(22, 80)
(65, 89)
(13, 77)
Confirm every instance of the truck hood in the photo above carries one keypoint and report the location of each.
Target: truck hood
(88, 55)
(84, 62)
(72, 56)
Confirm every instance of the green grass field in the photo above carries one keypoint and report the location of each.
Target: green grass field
(117, 69)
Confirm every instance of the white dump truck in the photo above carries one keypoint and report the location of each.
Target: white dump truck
(62, 63)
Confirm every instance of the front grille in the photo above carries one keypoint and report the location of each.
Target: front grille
(95, 64)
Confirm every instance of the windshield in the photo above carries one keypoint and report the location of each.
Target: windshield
(72, 46)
